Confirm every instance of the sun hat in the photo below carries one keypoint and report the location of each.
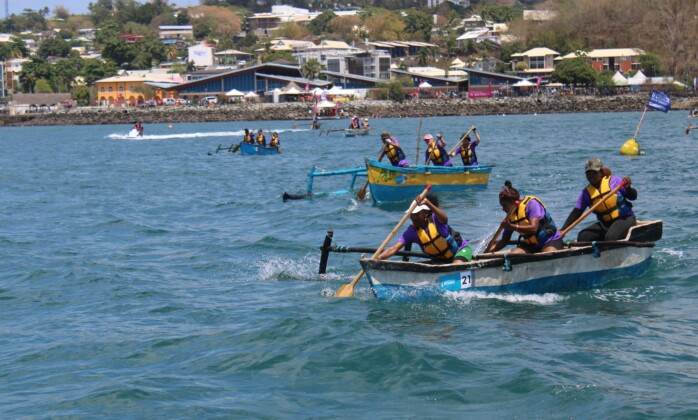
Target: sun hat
(428, 137)
(419, 208)
(385, 135)
(593, 164)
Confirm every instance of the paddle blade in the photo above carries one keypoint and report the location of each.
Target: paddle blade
(362, 192)
(346, 291)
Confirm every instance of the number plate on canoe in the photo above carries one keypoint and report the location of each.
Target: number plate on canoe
(457, 281)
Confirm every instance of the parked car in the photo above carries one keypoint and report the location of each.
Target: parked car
(208, 100)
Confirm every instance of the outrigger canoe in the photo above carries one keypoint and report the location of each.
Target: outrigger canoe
(253, 149)
(578, 266)
(354, 132)
(391, 183)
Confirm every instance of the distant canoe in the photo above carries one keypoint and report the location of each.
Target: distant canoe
(247, 149)
(354, 132)
(391, 183)
(580, 266)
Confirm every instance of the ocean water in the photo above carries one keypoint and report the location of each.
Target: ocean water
(151, 279)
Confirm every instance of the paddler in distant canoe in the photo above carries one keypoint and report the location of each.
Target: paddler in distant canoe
(275, 142)
(530, 219)
(615, 217)
(392, 149)
(436, 153)
(261, 139)
(467, 149)
(430, 230)
(248, 136)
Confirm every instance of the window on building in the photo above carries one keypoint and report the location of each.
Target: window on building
(111, 89)
(536, 63)
(121, 89)
(101, 89)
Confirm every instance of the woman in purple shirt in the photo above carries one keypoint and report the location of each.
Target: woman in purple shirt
(430, 230)
(615, 216)
(530, 219)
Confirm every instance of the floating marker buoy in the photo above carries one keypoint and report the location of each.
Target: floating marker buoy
(169, 126)
(630, 148)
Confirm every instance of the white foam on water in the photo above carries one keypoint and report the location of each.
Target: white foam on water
(239, 133)
(468, 296)
(276, 268)
(672, 252)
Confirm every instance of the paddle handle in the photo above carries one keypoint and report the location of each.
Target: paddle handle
(460, 141)
(501, 228)
(588, 212)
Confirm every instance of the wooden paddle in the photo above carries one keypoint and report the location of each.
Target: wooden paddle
(501, 228)
(588, 212)
(362, 192)
(347, 290)
(461, 140)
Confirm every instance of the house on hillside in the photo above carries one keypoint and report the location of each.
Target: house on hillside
(263, 23)
(540, 61)
(135, 87)
(614, 59)
(171, 34)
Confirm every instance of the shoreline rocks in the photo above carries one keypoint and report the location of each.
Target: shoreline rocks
(369, 108)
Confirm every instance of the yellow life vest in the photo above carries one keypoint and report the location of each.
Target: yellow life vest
(546, 226)
(434, 244)
(610, 209)
(247, 138)
(274, 141)
(435, 154)
(467, 154)
(260, 138)
(394, 153)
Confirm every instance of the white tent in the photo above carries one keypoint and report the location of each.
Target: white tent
(424, 84)
(335, 90)
(251, 94)
(638, 79)
(523, 83)
(619, 79)
(317, 91)
(234, 93)
(326, 104)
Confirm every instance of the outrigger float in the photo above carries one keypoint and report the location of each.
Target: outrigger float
(578, 266)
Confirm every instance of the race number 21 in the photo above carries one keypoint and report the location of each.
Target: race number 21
(466, 279)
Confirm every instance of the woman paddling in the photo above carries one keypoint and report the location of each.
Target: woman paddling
(615, 217)
(430, 230)
(530, 219)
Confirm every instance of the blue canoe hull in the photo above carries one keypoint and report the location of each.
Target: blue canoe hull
(248, 149)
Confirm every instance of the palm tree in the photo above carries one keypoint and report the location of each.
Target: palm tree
(172, 52)
(311, 69)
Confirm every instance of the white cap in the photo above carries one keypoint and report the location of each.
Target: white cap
(420, 208)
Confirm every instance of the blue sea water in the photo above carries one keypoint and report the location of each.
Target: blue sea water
(147, 278)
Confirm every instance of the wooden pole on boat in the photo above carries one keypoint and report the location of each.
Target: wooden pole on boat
(325, 251)
(461, 140)
(501, 228)
(347, 290)
(588, 212)
(419, 134)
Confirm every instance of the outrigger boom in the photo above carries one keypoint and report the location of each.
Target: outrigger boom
(314, 171)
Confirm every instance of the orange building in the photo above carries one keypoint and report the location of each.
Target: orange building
(624, 60)
(136, 87)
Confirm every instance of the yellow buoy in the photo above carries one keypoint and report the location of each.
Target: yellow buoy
(630, 148)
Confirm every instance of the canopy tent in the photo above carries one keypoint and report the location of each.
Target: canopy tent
(234, 93)
(291, 89)
(326, 104)
(251, 94)
(638, 79)
(317, 91)
(523, 83)
(335, 90)
(554, 85)
(424, 84)
(619, 79)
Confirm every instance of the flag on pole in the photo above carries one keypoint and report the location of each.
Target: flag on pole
(660, 101)
(538, 81)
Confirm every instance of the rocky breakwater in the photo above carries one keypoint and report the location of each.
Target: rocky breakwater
(374, 109)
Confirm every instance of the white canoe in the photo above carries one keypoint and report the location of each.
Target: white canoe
(578, 266)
